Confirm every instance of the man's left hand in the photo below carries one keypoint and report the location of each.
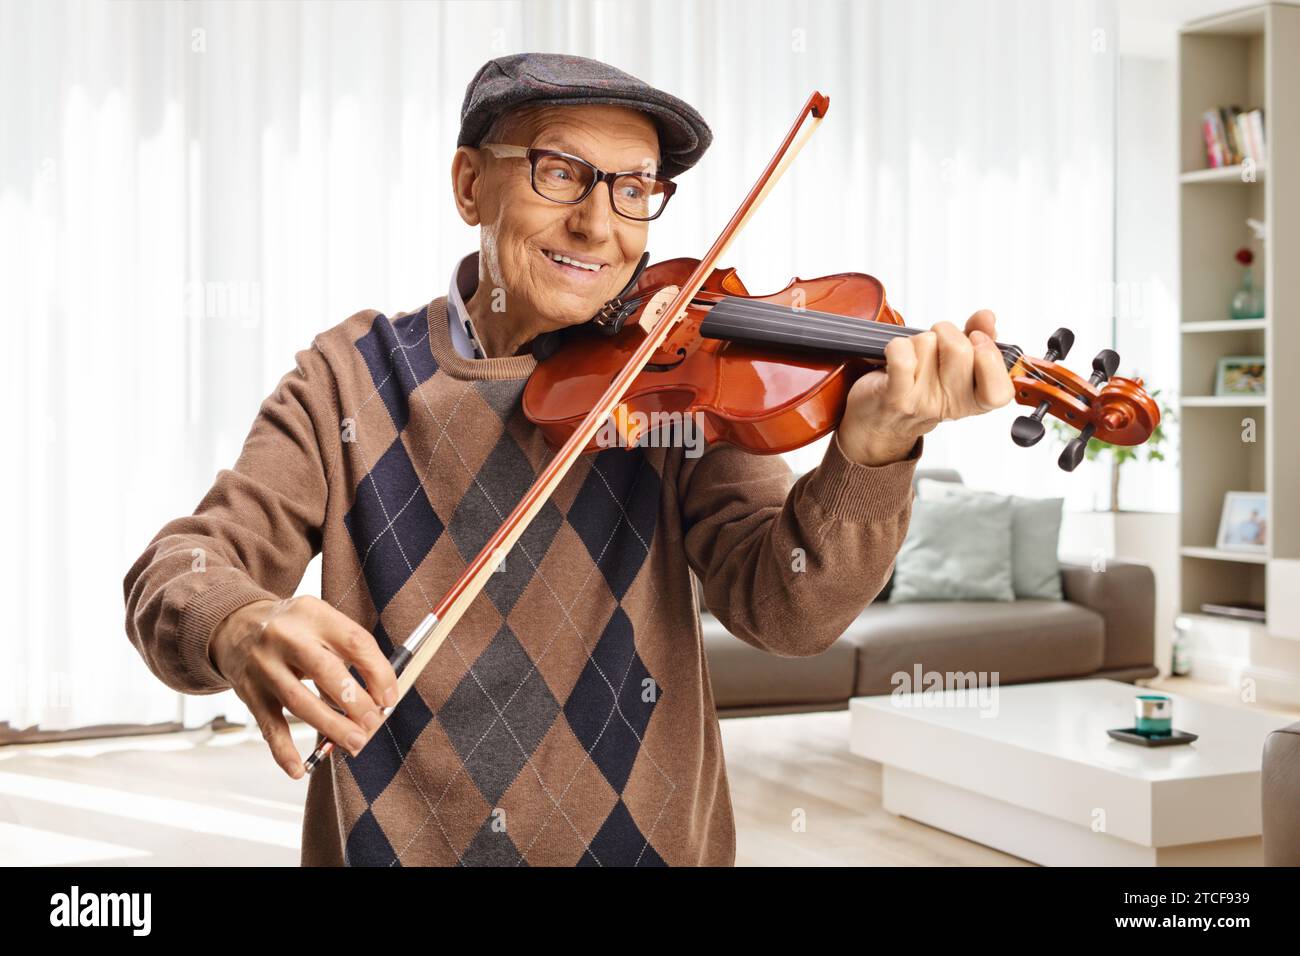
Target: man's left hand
(929, 377)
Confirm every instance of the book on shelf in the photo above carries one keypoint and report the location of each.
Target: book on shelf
(1232, 136)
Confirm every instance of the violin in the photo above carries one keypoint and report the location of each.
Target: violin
(770, 373)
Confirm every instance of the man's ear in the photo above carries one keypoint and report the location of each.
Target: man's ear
(466, 183)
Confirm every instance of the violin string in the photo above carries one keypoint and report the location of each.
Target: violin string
(844, 330)
(887, 331)
(847, 323)
(851, 327)
(874, 334)
(781, 331)
(850, 324)
(864, 336)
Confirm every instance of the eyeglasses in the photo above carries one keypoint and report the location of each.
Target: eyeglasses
(568, 179)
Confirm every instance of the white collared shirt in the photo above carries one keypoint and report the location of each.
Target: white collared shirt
(464, 281)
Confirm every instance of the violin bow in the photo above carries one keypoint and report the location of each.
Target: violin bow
(428, 636)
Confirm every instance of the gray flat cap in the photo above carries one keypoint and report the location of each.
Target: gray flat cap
(557, 79)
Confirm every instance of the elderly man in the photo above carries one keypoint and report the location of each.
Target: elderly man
(568, 719)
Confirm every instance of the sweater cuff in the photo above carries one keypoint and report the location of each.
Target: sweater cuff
(202, 615)
(852, 491)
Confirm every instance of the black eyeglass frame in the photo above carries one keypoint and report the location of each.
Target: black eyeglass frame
(533, 154)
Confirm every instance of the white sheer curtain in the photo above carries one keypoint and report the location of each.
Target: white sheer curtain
(191, 191)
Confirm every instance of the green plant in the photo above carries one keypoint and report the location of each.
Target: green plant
(1151, 450)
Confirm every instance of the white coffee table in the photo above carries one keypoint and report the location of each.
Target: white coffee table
(1028, 769)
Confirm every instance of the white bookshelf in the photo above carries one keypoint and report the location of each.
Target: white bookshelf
(1223, 174)
(1227, 325)
(1215, 554)
(1248, 58)
(1225, 401)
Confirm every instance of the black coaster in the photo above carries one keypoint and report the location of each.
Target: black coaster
(1130, 736)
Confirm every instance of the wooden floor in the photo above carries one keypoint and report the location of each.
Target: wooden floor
(1227, 695)
(212, 799)
(185, 799)
(207, 799)
(798, 768)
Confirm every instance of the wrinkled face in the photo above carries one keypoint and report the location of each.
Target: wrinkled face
(522, 231)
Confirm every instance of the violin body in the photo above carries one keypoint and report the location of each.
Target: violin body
(763, 399)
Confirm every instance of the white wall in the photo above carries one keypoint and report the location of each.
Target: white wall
(1146, 257)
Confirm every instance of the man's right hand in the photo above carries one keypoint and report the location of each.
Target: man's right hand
(266, 649)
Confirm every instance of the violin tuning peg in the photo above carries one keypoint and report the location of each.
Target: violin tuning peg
(1075, 449)
(1104, 365)
(1072, 455)
(1059, 344)
(1026, 431)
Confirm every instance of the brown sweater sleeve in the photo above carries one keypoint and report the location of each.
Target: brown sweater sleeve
(786, 567)
(250, 538)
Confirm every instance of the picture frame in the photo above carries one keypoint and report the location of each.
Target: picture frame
(1243, 523)
(1240, 375)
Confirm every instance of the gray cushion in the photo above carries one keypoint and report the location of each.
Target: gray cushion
(934, 474)
(956, 548)
(1035, 538)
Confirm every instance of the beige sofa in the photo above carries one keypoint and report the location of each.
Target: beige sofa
(1105, 627)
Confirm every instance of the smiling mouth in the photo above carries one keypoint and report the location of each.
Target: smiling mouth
(571, 265)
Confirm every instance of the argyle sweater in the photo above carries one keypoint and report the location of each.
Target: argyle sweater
(568, 718)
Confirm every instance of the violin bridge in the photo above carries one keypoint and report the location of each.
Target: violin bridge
(651, 313)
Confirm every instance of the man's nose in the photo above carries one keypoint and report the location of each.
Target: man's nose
(593, 218)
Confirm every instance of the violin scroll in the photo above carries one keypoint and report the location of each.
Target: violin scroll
(1105, 406)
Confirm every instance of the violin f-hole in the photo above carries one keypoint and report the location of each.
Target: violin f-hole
(667, 366)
